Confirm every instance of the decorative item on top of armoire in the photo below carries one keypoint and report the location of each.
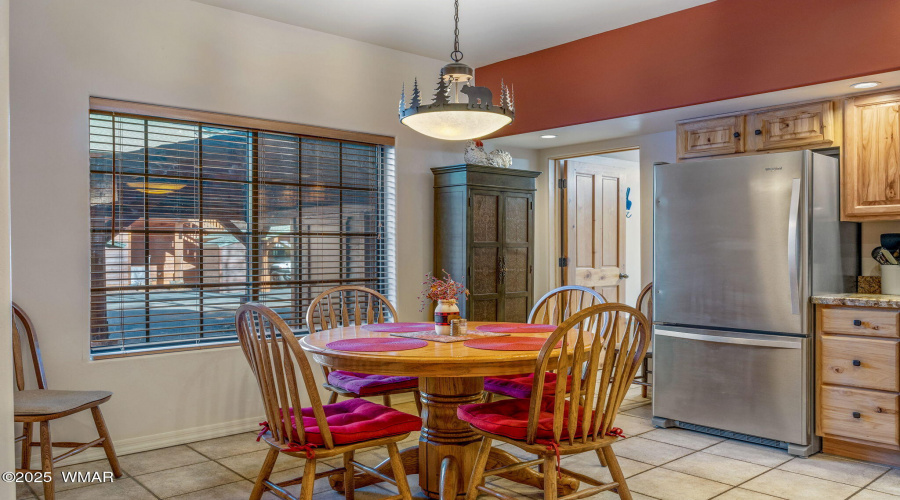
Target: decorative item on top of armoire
(476, 155)
(445, 292)
(484, 230)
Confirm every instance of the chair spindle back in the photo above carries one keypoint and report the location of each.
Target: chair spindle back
(346, 306)
(605, 345)
(645, 302)
(22, 327)
(278, 363)
(559, 304)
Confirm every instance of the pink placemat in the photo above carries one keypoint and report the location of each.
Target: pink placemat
(447, 339)
(516, 328)
(376, 344)
(399, 327)
(508, 343)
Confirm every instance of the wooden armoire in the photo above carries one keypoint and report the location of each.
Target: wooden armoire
(484, 230)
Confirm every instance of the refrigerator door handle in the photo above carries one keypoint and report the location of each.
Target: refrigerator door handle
(793, 250)
(783, 343)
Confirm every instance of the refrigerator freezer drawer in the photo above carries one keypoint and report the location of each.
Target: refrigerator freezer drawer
(747, 383)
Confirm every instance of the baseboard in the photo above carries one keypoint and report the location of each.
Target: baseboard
(157, 441)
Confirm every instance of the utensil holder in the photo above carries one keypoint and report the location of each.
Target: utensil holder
(890, 280)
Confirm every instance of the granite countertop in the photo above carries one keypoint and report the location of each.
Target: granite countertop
(857, 299)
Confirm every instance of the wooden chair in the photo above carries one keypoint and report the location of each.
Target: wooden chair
(357, 305)
(42, 405)
(550, 425)
(645, 305)
(553, 308)
(277, 362)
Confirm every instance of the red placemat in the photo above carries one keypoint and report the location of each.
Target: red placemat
(516, 328)
(376, 344)
(447, 339)
(509, 343)
(399, 327)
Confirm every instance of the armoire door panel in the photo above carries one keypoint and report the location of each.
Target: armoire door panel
(516, 218)
(484, 310)
(515, 309)
(515, 262)
(486, 217)
(485, 268)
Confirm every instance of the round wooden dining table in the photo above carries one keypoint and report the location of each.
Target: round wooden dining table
(450, 374)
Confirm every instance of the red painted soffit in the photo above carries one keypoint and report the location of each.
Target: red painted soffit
(720, 50)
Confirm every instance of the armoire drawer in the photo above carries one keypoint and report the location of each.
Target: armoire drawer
(859, 414)
(860, 321)
(860, 362)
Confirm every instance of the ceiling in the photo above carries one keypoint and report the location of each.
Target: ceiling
(662, 121)
(490, 30)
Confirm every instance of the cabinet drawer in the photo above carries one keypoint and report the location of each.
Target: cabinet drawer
(867, 363)
(795, 126)
(859, 414)
(860, 321)
(716, 136)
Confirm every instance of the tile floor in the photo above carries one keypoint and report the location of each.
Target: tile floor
(663, 464)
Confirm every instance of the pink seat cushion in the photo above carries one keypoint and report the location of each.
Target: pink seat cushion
(356, 420)
(519, 386)
(369, 385)
(510, 418)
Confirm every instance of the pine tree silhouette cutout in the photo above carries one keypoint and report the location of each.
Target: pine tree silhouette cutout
(403, 98)
(504, 96)
(416, 98)
(442, 92)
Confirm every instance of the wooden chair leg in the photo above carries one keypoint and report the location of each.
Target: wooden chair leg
(268, 464)
(478, 469)
(107, 441)
(26, 445)
(386, 400)
(488, 397)
(550, 475)
(349, 473)
(602, 458)
(47, 459)
(616, 473)
(418, 396)
(333, 398)
(399, 472)
(309, 480)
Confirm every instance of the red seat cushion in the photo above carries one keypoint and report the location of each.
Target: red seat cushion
(510, 418)
(356, 420)
(369, 385)
(519, 386)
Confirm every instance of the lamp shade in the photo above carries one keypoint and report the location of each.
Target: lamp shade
(455, 124)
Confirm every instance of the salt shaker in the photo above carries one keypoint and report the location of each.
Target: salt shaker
(463, 327)
(454, 327)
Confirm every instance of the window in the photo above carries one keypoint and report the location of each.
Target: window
(191, 218)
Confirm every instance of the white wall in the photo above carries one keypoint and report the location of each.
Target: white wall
(185, 54)
(7, 455)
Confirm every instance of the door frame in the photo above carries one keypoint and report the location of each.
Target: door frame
(557, 225)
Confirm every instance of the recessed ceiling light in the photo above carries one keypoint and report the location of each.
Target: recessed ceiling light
(548, 136)
(865, 85)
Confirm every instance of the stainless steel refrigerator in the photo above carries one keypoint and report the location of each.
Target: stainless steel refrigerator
(739, 246)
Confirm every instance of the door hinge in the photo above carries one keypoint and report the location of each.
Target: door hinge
(563, 262)
(562, 183)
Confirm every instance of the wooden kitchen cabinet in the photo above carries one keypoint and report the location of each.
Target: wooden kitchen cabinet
(784, 128)
(870, 163)
(484, 230)
(858, 382)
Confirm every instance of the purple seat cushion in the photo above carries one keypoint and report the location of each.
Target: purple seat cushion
(519, 386)
(356, 420)
(365, 384)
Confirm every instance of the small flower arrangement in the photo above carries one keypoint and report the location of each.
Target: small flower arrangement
(435, 289)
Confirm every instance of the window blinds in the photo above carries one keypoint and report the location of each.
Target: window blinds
(190, 219)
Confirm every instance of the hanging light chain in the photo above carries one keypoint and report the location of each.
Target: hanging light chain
(456, 55)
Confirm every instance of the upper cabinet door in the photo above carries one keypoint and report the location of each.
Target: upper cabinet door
(712, 137)
(808, 125)
(870, 170)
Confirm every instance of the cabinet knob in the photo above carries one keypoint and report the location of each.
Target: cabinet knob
(757, 132)
(856, 414)
(857, 322)
(857, 362)
(737, 135)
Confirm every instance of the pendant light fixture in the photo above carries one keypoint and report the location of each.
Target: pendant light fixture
(448, 118)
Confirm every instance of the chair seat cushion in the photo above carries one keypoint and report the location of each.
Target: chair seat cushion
(46, 401)
(356, 420)
(519, 386)
(509, 418)
(365, 384)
